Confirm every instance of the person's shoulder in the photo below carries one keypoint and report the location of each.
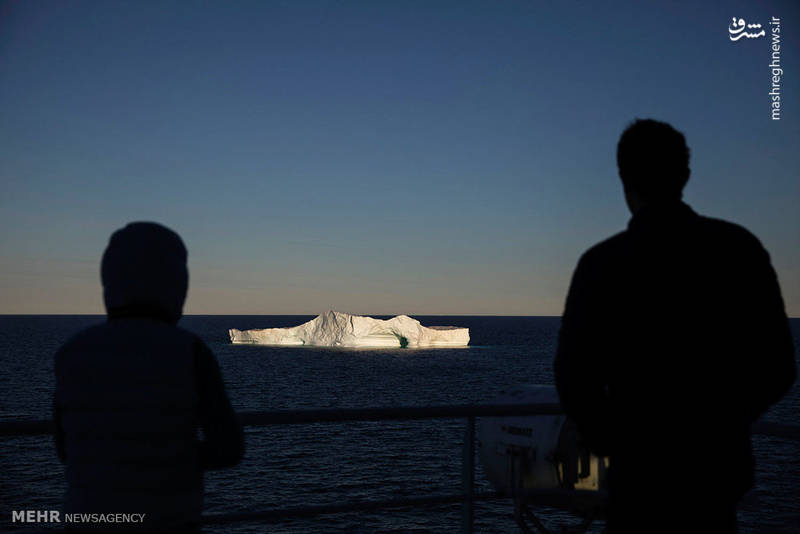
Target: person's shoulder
(188, 339)
(605, 249)
(87, 335)
(199, 347)
(155, 329)
(71, 350)
(122, 330)
(184, 333)
(726, 232)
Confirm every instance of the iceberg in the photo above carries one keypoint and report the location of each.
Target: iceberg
(336, 329)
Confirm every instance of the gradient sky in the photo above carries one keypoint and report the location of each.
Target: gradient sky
(374, 157)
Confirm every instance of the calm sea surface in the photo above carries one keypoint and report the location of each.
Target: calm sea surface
(301, 465)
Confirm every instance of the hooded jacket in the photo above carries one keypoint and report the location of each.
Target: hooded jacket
(132, 393)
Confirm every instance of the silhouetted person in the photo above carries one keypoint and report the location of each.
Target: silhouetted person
(673, 341)
(131, 394)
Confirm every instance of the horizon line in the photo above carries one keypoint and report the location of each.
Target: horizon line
(299, 315)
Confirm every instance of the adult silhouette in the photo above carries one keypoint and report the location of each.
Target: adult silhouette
(674, 339)
(132, 393)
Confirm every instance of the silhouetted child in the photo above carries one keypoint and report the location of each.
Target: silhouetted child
(132, 393)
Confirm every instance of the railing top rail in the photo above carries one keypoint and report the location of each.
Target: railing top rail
(330, 415)
(338, 415)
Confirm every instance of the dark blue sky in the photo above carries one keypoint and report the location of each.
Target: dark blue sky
(374, 157)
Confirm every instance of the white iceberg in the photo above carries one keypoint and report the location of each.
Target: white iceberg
(335, 329)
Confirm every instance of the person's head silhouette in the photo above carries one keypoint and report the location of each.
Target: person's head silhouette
(144, 272)
(653, 162)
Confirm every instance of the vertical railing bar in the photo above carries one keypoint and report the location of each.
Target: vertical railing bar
(468, 477)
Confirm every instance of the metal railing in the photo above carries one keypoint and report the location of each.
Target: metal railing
(467, 497)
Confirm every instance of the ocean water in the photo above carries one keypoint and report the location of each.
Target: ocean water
(298, 465)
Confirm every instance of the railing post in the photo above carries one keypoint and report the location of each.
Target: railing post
(468, 477)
